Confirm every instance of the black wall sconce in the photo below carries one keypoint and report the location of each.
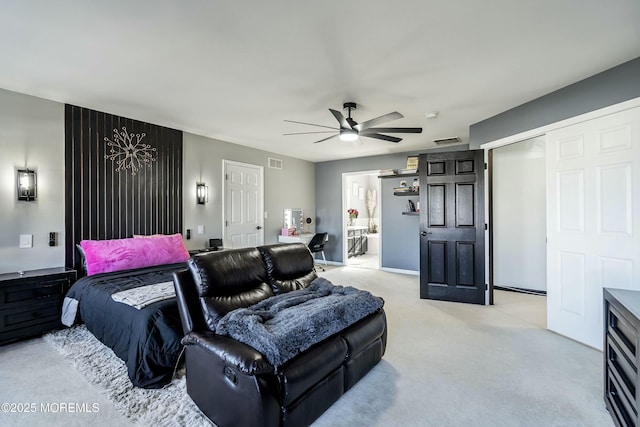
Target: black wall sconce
(202, 193)
(27, 185)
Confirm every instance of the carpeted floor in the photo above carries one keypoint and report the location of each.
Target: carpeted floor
(446, 364)
(102, 368)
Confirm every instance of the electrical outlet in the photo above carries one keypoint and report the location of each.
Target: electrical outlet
(53, 238)
(26, 240)
(201, 229)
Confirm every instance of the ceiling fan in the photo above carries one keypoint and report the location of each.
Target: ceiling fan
(350, 130)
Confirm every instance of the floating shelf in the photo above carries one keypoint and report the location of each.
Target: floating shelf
(398, 175)
(411, 213)
(406, 193)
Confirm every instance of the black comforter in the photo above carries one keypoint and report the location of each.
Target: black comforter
(148, 340)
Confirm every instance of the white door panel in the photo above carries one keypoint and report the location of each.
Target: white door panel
(244, 205)
(593, 214)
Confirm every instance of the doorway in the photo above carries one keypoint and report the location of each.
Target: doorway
(361, 219)
(519, 225)
(519, 216)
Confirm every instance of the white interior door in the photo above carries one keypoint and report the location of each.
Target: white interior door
(593, 220)
(244, 204)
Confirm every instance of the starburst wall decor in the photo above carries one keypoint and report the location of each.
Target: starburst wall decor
(128, 151)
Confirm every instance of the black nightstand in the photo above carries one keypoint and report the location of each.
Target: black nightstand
(31, 303)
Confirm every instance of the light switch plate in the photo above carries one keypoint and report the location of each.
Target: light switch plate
(26, 240)
(201, 229)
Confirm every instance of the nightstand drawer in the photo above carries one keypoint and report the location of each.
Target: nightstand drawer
(28, 292)
(31, 302)
(27, 316)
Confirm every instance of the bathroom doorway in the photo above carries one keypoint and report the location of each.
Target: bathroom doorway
(361, 213)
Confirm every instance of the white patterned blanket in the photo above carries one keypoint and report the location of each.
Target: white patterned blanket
(145, 295)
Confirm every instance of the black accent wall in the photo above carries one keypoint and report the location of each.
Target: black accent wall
(122, 177)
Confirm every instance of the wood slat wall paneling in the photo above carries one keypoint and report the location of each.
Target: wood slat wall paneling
(103, 202)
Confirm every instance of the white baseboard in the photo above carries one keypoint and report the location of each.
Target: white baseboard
(398, 270)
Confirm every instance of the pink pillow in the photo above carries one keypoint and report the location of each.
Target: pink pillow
(104, 256)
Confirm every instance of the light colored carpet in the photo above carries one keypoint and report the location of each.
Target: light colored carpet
(101, 367)
(446, 364)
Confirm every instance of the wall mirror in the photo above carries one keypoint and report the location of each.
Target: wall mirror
(293, 218)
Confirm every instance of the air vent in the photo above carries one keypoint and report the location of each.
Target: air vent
(275, 163)
(451, 140)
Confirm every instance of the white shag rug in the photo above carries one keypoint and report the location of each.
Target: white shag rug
(168, 406)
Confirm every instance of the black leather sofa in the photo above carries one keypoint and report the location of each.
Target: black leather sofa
(232, 383)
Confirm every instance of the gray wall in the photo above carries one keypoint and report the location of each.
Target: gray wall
(610, 87)
(399, 233)
(400, 244)
(32, 134)
(291, 187)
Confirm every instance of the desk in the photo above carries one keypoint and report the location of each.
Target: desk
(300, 238)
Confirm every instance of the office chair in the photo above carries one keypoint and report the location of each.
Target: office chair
(317, 245)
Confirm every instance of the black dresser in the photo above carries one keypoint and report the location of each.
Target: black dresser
(621, 355)
(31, 303)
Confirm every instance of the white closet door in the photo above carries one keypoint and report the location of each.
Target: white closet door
(593, 220)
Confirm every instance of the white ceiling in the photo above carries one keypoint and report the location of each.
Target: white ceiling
(234, 70)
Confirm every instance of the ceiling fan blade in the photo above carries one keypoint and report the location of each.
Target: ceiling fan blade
(311, 124)
(340, 118)
(327, 138)
(305, 133)
(391, 130)
(383, 137)
(384, 118)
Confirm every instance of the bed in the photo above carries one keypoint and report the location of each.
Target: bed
(133, 311)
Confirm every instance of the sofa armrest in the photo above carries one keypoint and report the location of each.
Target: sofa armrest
(241, 356)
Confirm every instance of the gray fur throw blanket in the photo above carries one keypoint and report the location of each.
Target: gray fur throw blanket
(283, 326)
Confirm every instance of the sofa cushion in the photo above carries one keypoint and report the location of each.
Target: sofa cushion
(227, 280)
(289, 266)
(359, 335)
(306, 370)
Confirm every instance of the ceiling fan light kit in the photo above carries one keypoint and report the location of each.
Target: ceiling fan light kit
(350, 130)
(348, 135)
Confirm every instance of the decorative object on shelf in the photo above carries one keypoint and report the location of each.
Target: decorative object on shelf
(403, 183)
(27, 185)
(353, 214)
(202, 193)
(130, 153)
(372, 200)
(387, 172)
(402, 189)
(416, 184)
(412, 162)
(411, 207)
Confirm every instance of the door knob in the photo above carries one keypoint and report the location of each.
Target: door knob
(424, 233)
(258, 228)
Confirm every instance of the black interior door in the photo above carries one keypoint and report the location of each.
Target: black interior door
(452, 226)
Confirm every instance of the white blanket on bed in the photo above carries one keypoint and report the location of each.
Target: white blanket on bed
(145, 295)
